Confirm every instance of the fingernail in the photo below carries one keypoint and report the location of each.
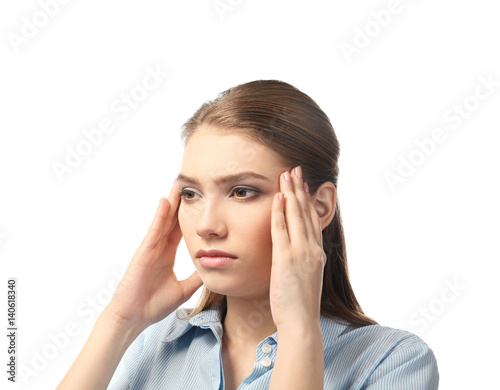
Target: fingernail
(306, 187)
(287, 176)
(298, 172)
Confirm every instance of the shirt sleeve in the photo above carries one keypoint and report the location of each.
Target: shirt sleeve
(127, 368)
(411, 365)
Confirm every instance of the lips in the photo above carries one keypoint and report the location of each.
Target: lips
(213, 253)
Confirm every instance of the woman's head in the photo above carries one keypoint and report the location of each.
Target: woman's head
(267, 127)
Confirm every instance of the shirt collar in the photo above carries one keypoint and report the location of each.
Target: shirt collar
(181, 325)
(210, 318)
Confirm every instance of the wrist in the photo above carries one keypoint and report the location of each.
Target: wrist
(125, 329)
(299, 329)
(299, 360)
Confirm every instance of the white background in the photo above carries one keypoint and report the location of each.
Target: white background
(65, 241)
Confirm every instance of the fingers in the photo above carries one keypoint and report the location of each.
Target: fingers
(174, 201)
(175, 235)
(162, 221)
(315, 219)
(297, 210)
(154, 231)
(279, 233)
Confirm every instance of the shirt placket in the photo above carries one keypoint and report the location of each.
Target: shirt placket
(264, 361)
(216, 360)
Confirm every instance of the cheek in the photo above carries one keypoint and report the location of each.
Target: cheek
(186, 222)
(181, 219)
(256, 229)
(187, 216)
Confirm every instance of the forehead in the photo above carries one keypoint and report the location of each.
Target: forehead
(211, 153)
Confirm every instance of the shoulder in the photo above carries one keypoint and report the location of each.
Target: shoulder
(171, 326)
(338, 333)
(381, 356)
(383, 337)
(146, 344)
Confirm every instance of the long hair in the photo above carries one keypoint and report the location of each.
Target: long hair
(288, 121)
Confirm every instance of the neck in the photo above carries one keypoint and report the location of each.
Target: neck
(247, 321)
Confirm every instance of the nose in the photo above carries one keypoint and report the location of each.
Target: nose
(211, 221)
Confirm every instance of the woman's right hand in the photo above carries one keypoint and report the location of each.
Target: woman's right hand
(149, 290)
(147, 293)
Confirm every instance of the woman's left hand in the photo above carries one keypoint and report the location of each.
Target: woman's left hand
(298, 257)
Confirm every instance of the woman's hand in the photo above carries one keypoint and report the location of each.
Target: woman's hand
(298, 257)
(149, 289)
(296, 285)
(147, 292)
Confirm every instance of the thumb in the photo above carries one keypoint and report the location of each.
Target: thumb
(191, 284)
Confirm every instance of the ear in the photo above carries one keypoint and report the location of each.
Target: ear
(324, 201)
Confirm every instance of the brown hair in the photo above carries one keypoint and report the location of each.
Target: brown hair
(288, 121)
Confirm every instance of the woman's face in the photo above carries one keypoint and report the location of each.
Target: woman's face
(232, 216)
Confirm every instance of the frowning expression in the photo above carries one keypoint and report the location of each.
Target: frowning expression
(228, 182)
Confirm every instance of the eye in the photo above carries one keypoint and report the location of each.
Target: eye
(182, 194)
(240, 190)
(244, 190)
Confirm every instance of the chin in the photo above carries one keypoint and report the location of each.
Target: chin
(217, 286)
(236, 287)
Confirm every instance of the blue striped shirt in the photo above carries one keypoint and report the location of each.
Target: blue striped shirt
(186, 354)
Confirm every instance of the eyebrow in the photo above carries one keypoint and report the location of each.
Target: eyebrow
(225, 179)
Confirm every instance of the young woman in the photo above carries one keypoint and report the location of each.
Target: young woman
(256, 202)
